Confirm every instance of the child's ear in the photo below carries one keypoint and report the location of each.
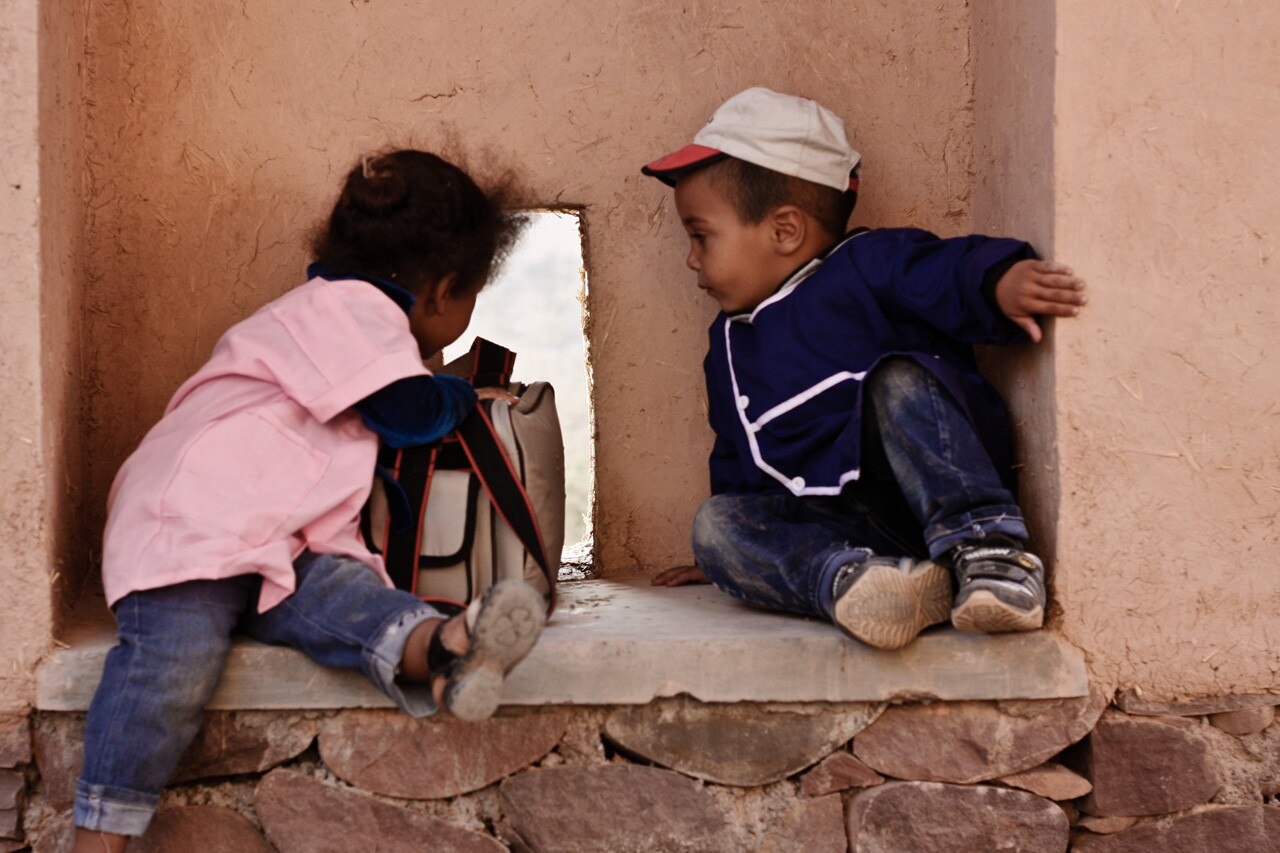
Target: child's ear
(436, 295)
(789, 228)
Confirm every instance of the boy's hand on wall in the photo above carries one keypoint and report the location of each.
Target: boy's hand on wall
(1029, 288)
(679, 576)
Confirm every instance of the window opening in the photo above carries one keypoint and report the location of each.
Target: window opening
(536, 306)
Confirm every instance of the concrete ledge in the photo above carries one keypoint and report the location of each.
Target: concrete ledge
(624, 642)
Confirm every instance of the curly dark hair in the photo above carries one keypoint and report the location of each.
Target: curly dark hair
(413, 217)
(755, 191)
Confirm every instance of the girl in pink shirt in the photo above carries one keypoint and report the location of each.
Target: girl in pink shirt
(239, 510)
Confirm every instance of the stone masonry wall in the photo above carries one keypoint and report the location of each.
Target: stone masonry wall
(1087, 774)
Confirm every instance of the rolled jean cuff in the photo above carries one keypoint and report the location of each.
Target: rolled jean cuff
(973, 526)
(382, 663)
(120, 811)
(825, 594)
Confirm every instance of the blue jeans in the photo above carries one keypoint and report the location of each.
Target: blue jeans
(927, 484)
(172, 643)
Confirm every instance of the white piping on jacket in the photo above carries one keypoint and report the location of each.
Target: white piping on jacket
(795, 485)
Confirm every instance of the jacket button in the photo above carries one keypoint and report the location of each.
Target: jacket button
(797, 483)
(743, 402)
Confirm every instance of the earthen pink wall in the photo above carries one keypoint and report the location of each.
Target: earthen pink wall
(1013, 66)
(1166, 170)
(216, 140)
(34, 333)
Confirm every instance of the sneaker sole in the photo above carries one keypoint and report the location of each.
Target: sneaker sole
(984, 613)
(887, 607)
(509, 622)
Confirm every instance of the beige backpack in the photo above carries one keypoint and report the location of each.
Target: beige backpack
(484, 503)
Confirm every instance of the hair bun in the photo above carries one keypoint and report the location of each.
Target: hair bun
(377, 186)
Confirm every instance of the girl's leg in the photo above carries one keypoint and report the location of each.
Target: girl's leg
(170, 651)
(341, 615)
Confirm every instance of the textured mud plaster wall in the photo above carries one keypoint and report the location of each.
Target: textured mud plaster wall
(1013, 65)
(1168, 393)
(217, 137)
(25, 448)
(63, 273)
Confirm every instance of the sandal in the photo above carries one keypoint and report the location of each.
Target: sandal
(502, 626)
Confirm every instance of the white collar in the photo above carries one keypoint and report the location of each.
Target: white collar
(792, 282)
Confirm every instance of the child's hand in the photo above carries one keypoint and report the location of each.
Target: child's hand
(1039, 287)
(679, 576)
(496, 394)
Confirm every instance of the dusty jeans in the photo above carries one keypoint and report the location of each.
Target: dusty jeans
(927, 485)
(172, 644)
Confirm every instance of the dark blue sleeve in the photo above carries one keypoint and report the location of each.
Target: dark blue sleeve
(417, 409)
(943, 283)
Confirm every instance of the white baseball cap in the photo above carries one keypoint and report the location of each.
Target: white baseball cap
(792, 135)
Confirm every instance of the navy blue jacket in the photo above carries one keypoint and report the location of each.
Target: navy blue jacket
(784, 382)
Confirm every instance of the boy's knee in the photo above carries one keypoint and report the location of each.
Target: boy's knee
(711, 521)
(894, 380)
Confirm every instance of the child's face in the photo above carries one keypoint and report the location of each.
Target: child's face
(737, 262)
(439, 318)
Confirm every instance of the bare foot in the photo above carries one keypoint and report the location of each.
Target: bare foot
(413, 664)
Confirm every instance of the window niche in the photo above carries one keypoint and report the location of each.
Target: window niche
(536, 307)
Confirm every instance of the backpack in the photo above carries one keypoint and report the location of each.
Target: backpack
(484, 503)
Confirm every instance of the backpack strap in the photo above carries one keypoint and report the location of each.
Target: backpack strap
(491, 364)
(487, 365)
(413, 472)
(501, 482)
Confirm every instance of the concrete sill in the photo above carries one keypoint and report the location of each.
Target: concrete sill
(617, 642)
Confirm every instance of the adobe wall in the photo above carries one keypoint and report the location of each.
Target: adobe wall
(1013, 62)
(27, 445)
(216, 142)
(1168, 397)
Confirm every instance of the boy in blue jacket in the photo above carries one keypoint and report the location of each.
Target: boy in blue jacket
(860, 461)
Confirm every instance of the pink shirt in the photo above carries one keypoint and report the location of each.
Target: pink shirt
(259, 454)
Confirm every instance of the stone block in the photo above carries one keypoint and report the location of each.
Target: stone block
(231, 743)
(911, 817)
(13, 784)
(13, 787)
(393, 754)
(15, 740)
(615, 807)
(227, 744)
(53, 834)
(965, 742)
(1248, 721)
(1105, 825)
(1051, 781)
(59, 754)
(180, 829)
(306, 815)
(1132, 702)
(838, 772)
(1238, 829)
(810, 826)
(740, 744)
(1141, 766)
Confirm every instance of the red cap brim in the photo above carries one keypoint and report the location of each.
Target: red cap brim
(668, 169)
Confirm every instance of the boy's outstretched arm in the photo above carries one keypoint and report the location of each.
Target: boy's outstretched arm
(1029, 288)
(679, 576)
